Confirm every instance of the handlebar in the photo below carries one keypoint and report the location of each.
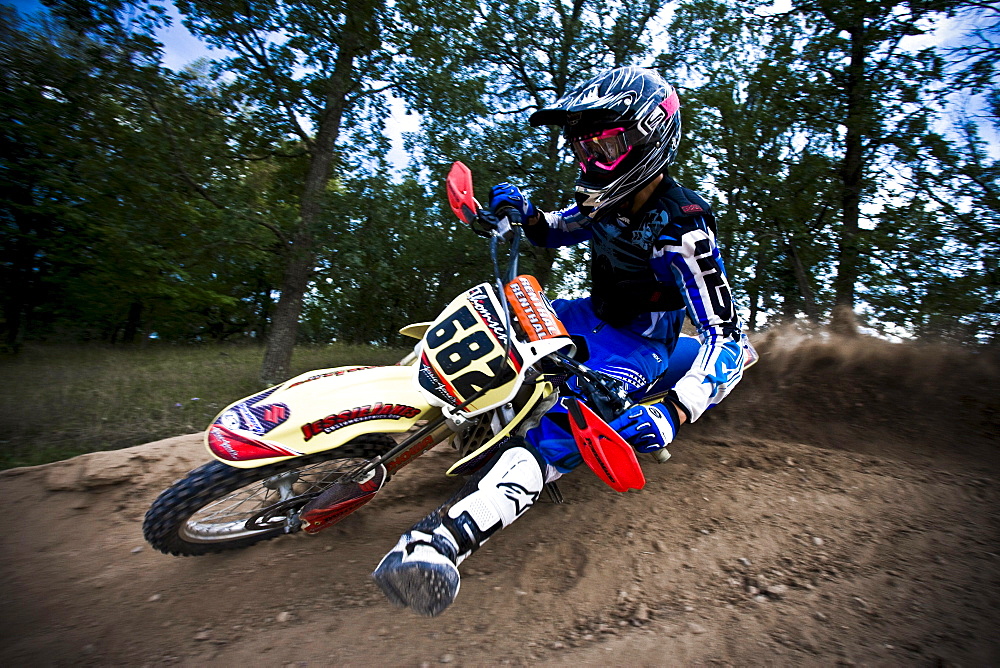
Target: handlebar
(607, 398)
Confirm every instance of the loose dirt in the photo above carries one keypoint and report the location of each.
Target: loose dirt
(839, 509)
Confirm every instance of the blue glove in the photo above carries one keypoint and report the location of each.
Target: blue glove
(507, 196)
(647, 428)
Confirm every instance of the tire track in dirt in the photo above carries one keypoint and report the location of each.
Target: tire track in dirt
(818, 534)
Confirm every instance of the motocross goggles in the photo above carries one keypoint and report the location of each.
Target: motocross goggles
(604, 149)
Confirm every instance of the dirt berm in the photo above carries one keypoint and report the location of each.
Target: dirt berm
(839, 509)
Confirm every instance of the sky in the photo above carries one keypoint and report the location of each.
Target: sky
(180, 47)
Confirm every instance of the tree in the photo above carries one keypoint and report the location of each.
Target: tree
(954, 280)
(747, 143)
(99, 237)
(399, 260)
(878, 90)
(974, 61)
(807, 120)
(303, 71)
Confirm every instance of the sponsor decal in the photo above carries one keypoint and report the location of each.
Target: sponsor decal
(426, 443)
(433, 383)
(692, 208)
(339, 372)
(376, 411)
(253, 416)
(235, 447)
(481, 302)
(597, 454)
(276, 413)
(532, 310)
(655, 117)
(519, 495)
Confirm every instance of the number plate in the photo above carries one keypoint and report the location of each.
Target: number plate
(462, 352)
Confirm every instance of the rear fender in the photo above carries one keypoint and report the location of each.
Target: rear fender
(316, 411)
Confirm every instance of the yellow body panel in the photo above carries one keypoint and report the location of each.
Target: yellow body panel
(541, 391)
(415, 330)
(317, 411)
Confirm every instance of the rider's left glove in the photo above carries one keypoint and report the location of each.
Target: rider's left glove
(506, 196)
(647, 428)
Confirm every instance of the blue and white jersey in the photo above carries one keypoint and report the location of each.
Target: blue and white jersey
(649, 270)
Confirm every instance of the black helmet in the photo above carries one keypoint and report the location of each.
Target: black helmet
(624, 126)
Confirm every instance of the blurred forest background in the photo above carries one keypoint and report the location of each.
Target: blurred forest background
(849, 149)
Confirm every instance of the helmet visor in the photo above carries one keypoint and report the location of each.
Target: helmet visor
(604, 149)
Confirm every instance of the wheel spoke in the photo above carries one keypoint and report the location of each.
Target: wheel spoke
(218, 507)
(226, 518)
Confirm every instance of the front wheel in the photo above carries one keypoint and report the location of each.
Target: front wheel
(219, 507)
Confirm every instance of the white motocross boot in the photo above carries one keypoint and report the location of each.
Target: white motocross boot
(422, 570)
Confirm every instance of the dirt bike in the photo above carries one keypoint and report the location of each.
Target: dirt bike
(307, 453)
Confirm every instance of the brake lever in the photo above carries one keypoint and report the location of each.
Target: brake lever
(606, 394)
(501, 223)
(512, 214)
(488, 223)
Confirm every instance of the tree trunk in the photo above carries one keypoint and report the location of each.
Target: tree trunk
(754, 289)
(801, 275)
(285, 321)
(300, 258)
(852, 171)
(133, 321)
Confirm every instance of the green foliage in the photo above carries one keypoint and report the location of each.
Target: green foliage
(398, 260)
(209, 204)
(527, 55)
(808, 127)
(316, 74)
(943, 244)
(748, 141)
(101, 238)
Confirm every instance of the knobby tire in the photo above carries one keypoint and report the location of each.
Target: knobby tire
(169, 525)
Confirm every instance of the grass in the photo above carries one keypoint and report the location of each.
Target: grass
(63, 401)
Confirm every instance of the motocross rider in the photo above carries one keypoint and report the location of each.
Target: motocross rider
(653, 258)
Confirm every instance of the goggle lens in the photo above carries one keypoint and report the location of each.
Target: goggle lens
(604, 149)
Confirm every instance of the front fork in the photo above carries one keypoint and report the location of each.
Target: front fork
(283, 484)
(289, 503)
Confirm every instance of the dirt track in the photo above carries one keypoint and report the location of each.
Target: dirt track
(841, 507)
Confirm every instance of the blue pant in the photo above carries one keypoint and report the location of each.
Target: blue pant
(634, 360)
